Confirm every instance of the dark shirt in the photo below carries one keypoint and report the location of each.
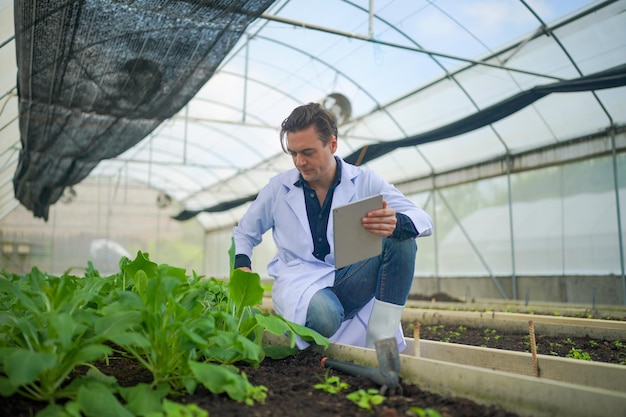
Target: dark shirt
(318, 216)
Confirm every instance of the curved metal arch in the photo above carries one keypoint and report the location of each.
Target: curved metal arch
(246, 77)
(353, 82)
(313, 58)
(126, 165)
(550, 32)
(142, 148)
(208, 123)
(447, 73)
(239, 171)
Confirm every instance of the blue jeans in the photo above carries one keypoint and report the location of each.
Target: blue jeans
(388, 277)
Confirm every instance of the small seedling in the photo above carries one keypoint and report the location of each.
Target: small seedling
(578, 354)
(489, 333)
(553, 346)
(424, 412)
(365, 399)
(332, 385)
(435, 328)
(172, 408)
(256, 393)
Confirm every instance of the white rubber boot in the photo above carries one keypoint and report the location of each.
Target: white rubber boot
(383, 322)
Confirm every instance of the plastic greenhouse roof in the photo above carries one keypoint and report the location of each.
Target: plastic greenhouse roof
(410, 70)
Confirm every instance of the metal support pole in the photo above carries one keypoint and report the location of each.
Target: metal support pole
(618, 210)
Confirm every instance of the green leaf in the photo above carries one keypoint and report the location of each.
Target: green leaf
(130, 339)
(196, 339)
(117, 322)
(62, 325)
(73, 409)
(173, 409)
(53, 410)
(173, 271)
(279, 352)
(27, 302)
(231, 255)
(245, 288)
(309, 335)
(141, 263)
(91, 353)
(6, 388)
(23, 366)
(93, 375)
(29, 333)
(276, 325)
(142, 399)
(98, 400)
(219, 379)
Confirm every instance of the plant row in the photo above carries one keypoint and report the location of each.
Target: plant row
(185, 330)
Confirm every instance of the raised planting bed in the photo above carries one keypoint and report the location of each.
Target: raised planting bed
(152, 341)
(519, 394)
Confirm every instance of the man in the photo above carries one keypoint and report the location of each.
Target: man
(357, 304)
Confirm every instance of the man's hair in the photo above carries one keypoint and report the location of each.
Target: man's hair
(303, 117)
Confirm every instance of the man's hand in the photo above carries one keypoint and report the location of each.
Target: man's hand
(245, 269)
(381, 222)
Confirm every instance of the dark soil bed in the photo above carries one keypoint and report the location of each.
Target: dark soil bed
(290, 382)
(290, 393)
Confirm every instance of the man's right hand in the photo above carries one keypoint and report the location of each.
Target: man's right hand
(245, 269)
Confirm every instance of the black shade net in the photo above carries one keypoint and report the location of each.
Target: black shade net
(96, 76)
(611, 78)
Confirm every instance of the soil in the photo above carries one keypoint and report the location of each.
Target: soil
(290, 382)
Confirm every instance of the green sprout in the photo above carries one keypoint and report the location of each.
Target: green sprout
(424, 412)
(365, 399)
(578, 354)
(332, 385)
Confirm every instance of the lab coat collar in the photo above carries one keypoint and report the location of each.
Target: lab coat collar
(344, 193)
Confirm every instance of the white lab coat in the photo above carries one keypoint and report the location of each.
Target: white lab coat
(297, 273)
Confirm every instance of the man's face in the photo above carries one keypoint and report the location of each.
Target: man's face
(314, 160)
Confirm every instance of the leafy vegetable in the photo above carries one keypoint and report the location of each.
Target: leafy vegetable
(185, 330)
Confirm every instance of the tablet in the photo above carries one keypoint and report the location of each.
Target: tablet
(352, 242)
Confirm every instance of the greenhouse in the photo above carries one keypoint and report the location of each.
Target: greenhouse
(131, 126)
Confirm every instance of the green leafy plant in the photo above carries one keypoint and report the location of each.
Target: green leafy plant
(578, 354)
(435, 328)
(331, 384)
(554, 346)
(173, 409)
(192, 328)
(491, 333)
(185, 330)
(47, 331)
(366, 398)
(424, 412)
